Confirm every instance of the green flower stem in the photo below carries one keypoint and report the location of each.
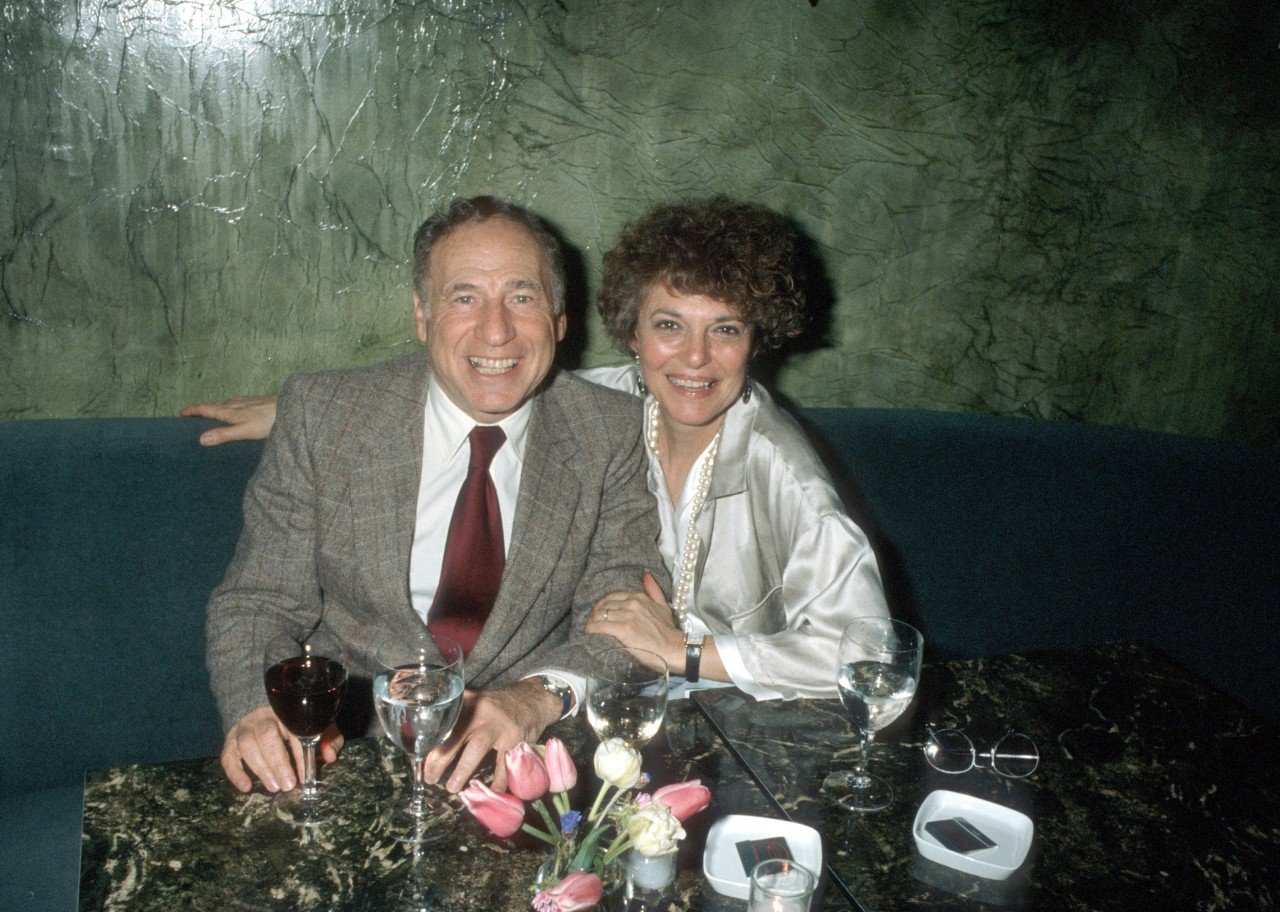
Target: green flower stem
(595, 807)
(538, 834)
(546, 818)
(608, 807)
(619, 845)
(561, 802)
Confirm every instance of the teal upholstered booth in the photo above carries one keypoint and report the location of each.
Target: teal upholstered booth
(112, 535)
(995, 535)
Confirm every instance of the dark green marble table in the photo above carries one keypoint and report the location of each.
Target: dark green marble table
(1154, 791)
(174, 837)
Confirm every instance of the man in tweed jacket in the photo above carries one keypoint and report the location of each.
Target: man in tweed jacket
(330, 513)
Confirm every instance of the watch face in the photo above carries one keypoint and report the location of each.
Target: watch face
(694, 639)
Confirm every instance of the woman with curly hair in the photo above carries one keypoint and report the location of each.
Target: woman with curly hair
(766, 566)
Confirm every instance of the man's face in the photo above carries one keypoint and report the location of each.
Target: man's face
(489, 326)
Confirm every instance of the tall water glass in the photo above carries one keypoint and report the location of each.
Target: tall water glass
(304, 677)
(626, 694)
(877, 671)
(417, 694)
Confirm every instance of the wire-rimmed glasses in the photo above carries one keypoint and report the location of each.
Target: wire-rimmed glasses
(949, 750)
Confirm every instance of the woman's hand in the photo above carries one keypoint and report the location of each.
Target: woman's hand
(641, 621)
(246, 418)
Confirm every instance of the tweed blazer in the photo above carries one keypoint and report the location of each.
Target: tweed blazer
(329, 522)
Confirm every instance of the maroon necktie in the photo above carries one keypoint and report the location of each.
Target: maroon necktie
(473, 555)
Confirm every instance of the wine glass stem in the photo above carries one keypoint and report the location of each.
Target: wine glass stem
(861, 778)
(309, 746)
(418, 803)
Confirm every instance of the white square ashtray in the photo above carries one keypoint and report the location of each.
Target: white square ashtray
(1010, 830)
(722, 863)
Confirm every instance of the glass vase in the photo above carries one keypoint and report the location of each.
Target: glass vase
(649, 880)
(612, 881)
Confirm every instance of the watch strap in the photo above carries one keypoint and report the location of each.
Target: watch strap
(692, 659)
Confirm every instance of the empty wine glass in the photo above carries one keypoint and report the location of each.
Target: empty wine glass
(626, 698)
(305, 677)
(877, 671)
(418, 694)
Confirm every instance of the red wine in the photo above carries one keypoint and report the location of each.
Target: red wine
(305, 691)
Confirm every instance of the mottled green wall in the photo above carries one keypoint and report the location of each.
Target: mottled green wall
(1026, 207)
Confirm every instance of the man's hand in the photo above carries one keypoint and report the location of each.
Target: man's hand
(258, 742)
(246, 417)
(492, 720)
(641, 621)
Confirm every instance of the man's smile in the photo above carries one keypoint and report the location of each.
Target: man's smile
(492, 367)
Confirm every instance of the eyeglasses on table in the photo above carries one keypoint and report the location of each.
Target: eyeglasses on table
(950, 751)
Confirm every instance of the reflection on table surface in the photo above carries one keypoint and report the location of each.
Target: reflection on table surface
(175, 836)
(1154, 791)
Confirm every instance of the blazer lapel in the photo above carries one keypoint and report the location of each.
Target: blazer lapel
(545, 508)
(395, 417)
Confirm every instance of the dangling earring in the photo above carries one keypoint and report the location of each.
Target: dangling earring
(644, 390)
(746, 390)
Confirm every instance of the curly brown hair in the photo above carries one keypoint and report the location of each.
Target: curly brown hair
(739, 253)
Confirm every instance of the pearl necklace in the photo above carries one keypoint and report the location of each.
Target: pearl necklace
(692, 541)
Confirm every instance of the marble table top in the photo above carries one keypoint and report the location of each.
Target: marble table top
(175, 836)
(1153, 792)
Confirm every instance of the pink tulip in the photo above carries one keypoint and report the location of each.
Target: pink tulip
(574, 893)
(564, 775)
(526, 773)
(501, 812)
(684, 798)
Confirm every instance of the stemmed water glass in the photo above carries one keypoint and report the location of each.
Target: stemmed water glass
(418, 694)
(305, 677)
(877, 670)
(625, 697)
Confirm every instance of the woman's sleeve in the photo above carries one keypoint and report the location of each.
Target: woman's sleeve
(830, 578)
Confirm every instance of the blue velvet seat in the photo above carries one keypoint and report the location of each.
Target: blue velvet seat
(995, 534)
(112, 535)
(1005, 534)
(40, 848)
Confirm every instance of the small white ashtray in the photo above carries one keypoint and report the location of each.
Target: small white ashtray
(1010, 830)
(722, 862)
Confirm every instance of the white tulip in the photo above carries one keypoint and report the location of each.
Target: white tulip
(654, 830)
(617, 764)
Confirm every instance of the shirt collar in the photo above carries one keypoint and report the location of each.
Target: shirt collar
(450, 425)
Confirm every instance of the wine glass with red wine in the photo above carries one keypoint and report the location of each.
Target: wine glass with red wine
(305, 678)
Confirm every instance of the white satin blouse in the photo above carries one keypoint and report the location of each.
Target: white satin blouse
(782, 568)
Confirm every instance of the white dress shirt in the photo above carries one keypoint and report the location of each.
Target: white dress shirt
(446, 457)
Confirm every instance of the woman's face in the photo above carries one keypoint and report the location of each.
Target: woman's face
(693, 353)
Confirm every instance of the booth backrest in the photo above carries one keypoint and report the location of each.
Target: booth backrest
(113, 532)
(995, 535)
(1005, 534)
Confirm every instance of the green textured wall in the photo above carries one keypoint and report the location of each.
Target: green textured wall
(1037, 208)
